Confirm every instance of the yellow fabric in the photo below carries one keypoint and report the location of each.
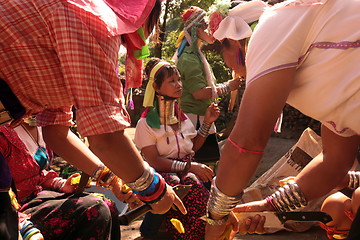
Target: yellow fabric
(150, 91)
(178, 225)
(13, 199)
(180, 38)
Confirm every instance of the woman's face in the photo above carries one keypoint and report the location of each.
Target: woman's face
(171, 86)
(232, 57)
(203, 33)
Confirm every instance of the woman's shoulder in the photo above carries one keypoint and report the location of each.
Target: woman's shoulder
(189, 57)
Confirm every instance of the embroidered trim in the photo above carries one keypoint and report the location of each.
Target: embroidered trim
(284, 66)
(331, 45)
(334, 126)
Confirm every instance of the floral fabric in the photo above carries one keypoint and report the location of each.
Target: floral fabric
(57, 215)
(195, 203)
(70, 216)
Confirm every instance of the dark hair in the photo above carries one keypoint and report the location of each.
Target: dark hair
(164, 72)
(154, 18)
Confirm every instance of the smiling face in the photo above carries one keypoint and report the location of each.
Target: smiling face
(171, 86)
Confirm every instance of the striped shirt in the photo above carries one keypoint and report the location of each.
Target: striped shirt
(55, 54)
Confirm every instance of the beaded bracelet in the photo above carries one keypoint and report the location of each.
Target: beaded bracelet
(26, 227)
(30, 233)
(106, 179)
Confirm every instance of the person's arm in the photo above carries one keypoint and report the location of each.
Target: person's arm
(206, 92)
(67, 145)
(153, 157)
(116, 151)
(330, 170)
(261, 104)
(212, 113)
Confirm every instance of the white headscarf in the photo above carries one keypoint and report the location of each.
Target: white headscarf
(235, 24)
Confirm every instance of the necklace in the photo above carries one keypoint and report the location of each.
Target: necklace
(36, 141)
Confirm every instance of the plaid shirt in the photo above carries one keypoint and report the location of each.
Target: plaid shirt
(55, 54)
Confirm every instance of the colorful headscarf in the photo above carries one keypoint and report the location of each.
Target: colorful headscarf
(234, 23)
(192, 18)
(150, 91)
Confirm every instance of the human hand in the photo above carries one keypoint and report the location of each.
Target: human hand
(256, 223)
(37, 236)
(205, 173)
(216, 232)
(212, 113)
(234, 83)
(170, 198)
(68, 187)
(125, 194)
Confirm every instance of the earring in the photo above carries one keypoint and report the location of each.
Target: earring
(240, 58)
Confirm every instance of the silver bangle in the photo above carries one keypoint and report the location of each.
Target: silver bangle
(354, 179)
(144, 181)
(224, 88)
(204, 129)
(219, 203)
(289, 197)
(177, 166)
(207, 218)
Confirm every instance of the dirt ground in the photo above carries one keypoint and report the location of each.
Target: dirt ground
(275, 149)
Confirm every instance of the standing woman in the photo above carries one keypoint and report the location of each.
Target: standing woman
(58, 54)
(294, 56)
(199, 83)
(167, 140)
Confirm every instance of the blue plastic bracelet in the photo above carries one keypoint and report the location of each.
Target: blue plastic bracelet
(151, 188)
(24, 226)
(31, 232)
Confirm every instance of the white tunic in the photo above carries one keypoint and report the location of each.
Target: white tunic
(322, 41)
(178, 146)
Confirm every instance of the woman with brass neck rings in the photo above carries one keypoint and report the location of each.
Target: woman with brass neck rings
(168, 140)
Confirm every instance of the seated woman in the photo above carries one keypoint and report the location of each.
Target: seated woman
(168, 140)
(48, 203)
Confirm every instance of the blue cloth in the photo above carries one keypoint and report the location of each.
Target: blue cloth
(42, 158)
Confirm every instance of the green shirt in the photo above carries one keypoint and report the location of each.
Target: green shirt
(193, 78)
